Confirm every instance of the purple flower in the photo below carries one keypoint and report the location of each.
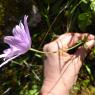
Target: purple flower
(19, 43)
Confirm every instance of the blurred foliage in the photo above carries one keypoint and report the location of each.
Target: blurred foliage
(47, 20)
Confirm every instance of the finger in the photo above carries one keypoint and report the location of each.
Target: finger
(84, 50)
(88, 36)
(68, 40)
(49, 47)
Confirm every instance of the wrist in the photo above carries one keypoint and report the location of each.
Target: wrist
(45, 93)
(50, 88)
(51, 93)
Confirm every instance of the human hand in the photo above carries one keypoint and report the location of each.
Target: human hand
(61, 68)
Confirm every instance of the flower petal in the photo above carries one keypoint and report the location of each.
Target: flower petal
(26, 27)
(8, 60)
(10, 40)
(2, 55)
(19, 32)
(10, 52)
(20, 42)
(16, 44)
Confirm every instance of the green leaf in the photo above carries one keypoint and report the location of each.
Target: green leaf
(92, 5)
(84, 20)
(84, 1)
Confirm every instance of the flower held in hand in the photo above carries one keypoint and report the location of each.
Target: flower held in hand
(19, 43)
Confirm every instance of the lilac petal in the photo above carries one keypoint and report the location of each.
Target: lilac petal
(26, 26)
(20, 29)
(15, 32)
(20, 33)
(24, 32)
(16, 44)
(19, 48)
(8, 60)
(19, 43)
(7, 51)
(17, 35)
(2, 55)
(27, 30)
(10, 40)
(16, 48)
(10, 52)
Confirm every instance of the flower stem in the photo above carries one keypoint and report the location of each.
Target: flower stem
(37, 51)
(76, 45)
(71, 48)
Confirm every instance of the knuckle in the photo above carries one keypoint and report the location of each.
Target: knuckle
(45, 47)
(50, 47)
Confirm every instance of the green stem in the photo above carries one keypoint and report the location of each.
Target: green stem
(71, 48)
(35, 50)
(74, 8)
(77, 45)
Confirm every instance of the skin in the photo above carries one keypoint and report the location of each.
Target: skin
(61, 68)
